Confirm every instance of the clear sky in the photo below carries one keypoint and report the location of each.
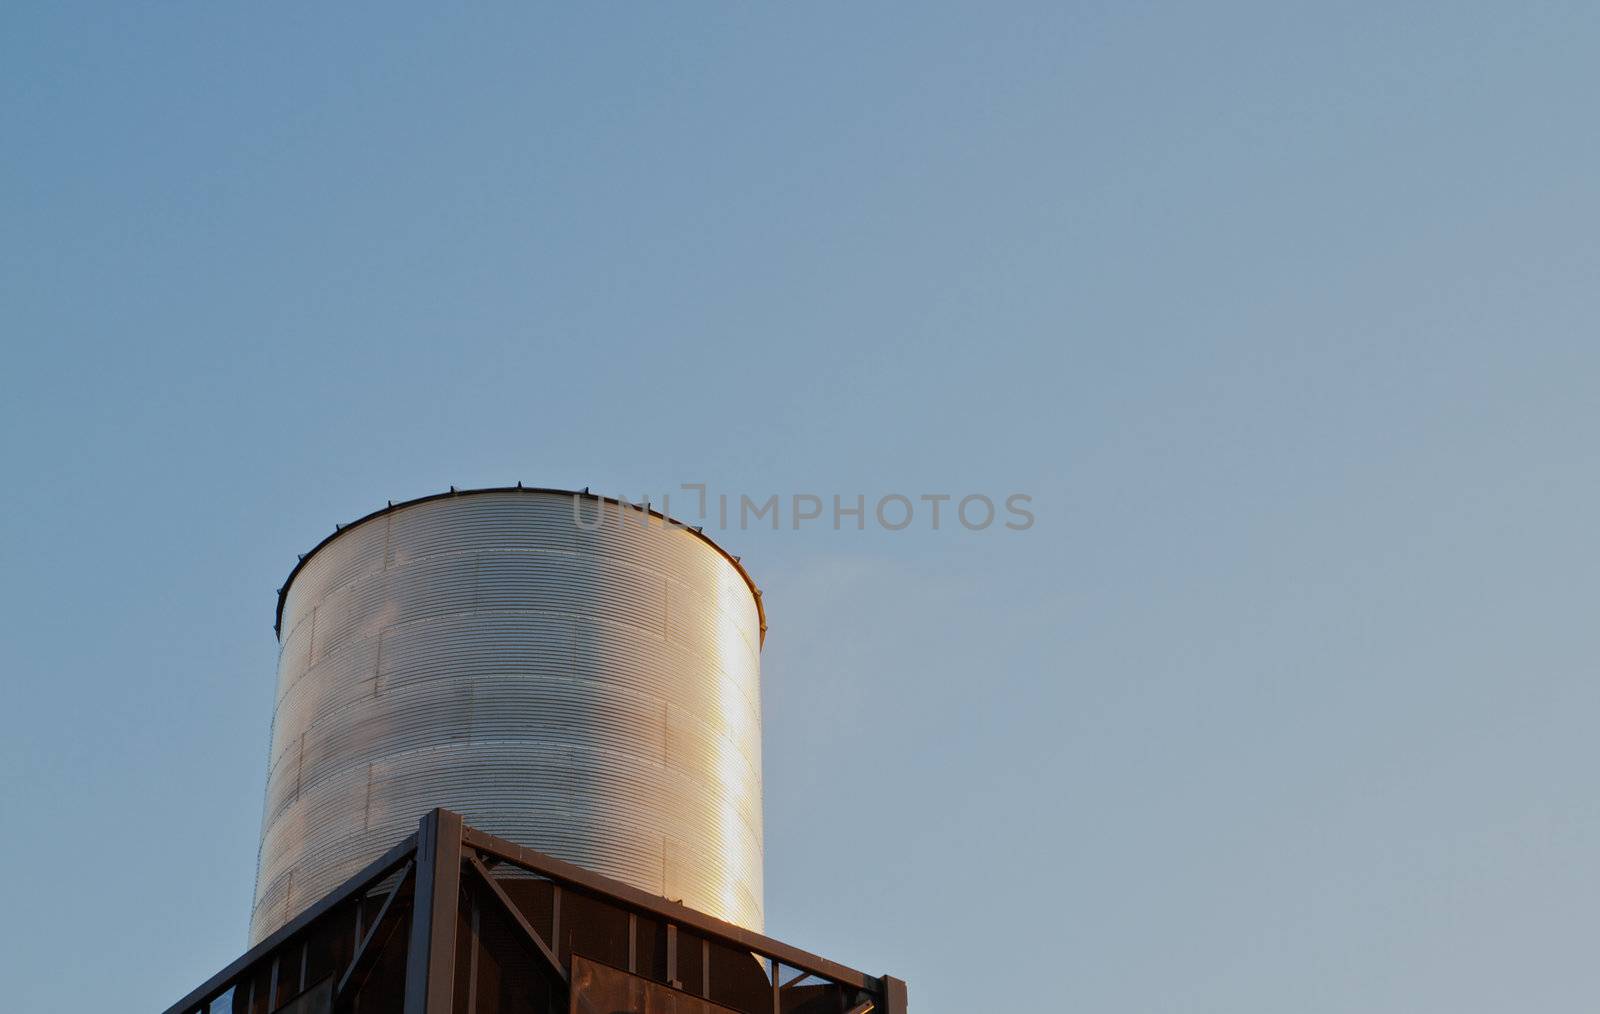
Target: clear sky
(1284, 314)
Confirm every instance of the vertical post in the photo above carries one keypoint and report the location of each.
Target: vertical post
(894, 995)
(430, 961)
(555, 920)
(672, 956)
(472, 965)
(633, 942)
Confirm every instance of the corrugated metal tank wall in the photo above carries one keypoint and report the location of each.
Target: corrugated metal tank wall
(591, 694)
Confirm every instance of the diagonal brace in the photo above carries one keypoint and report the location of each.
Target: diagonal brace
(365, 947)
(515, 914)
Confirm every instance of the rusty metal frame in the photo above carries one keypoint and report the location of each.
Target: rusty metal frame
(669, 911)
(431, 862)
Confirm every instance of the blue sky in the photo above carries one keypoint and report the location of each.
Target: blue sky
(1284, 314)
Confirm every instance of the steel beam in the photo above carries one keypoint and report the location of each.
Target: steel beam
(431, 958)
(667, 911)
(894, 995)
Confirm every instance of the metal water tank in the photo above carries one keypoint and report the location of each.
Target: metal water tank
(540, 661)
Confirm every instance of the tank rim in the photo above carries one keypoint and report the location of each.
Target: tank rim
(394, 505)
